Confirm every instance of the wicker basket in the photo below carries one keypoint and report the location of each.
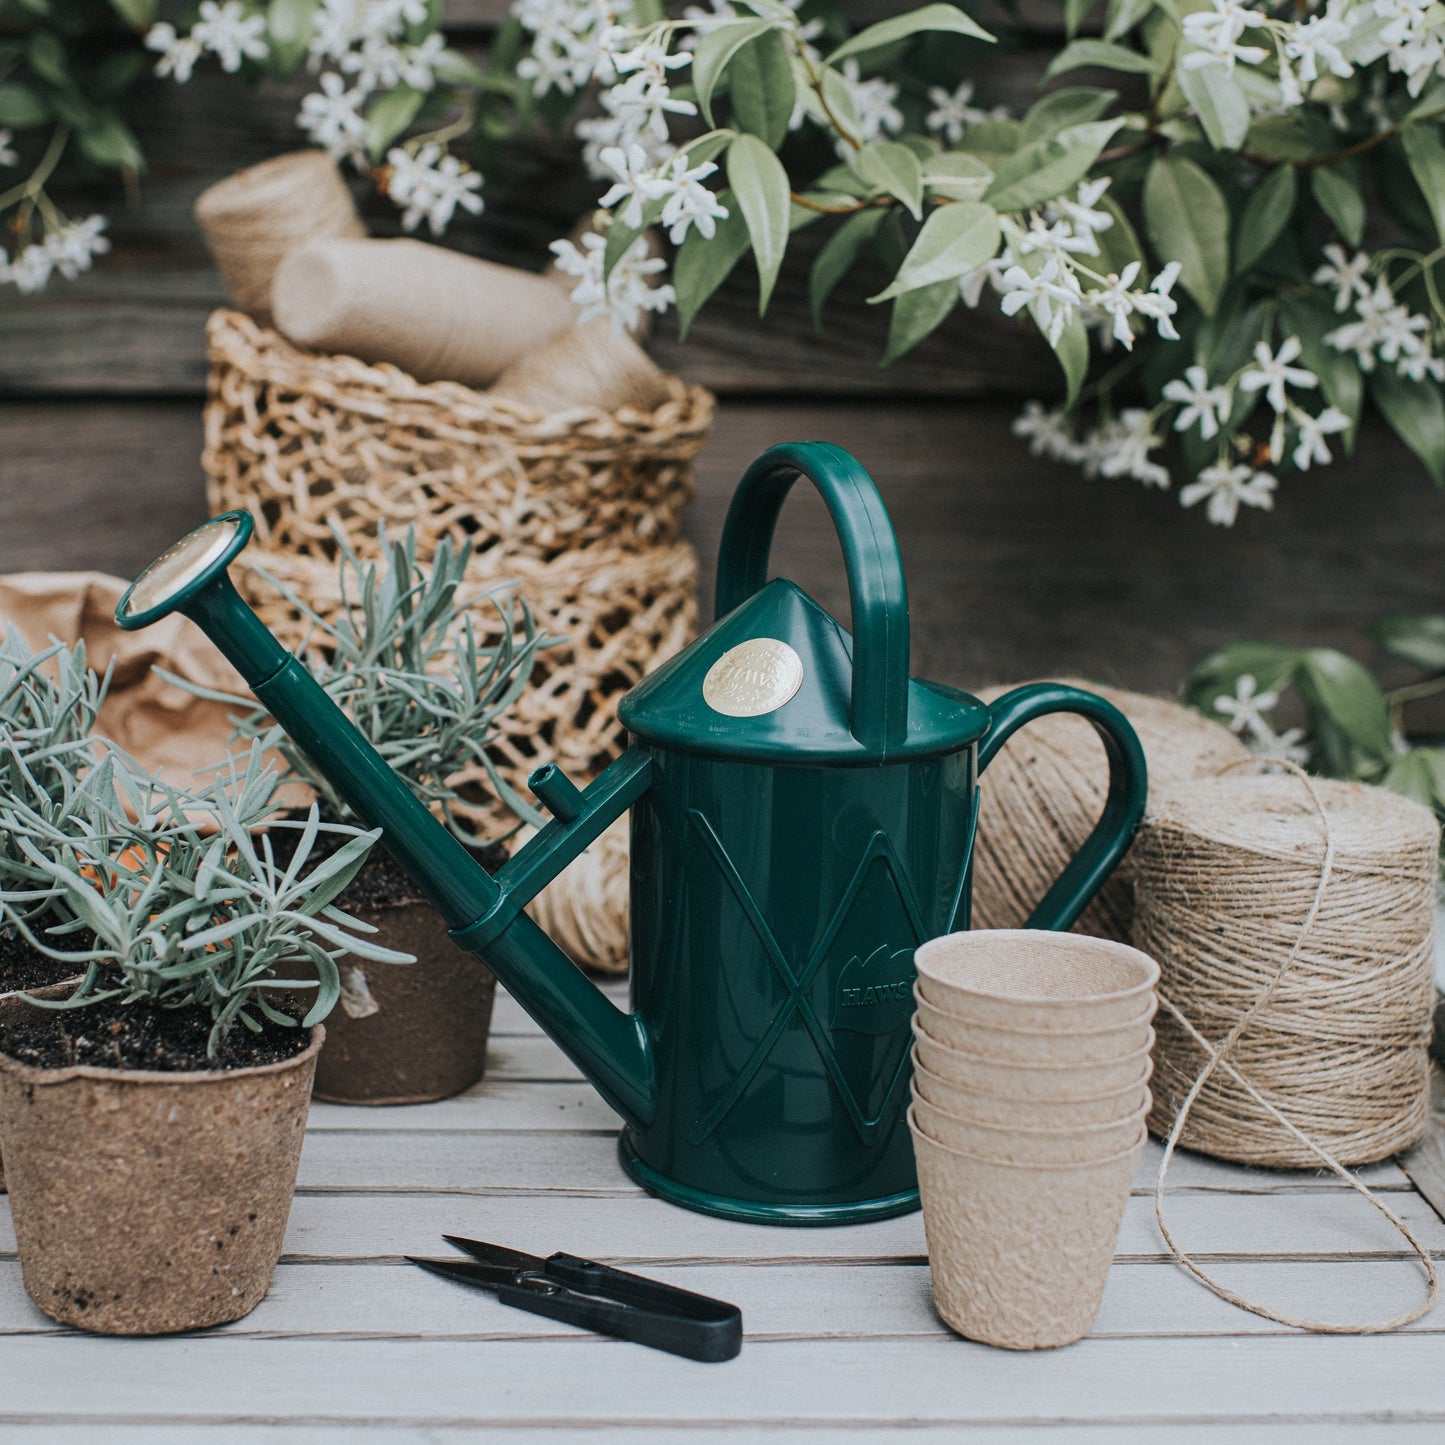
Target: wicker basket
(581, 509)
(301, 440)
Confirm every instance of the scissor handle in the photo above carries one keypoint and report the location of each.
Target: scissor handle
(628, 1307)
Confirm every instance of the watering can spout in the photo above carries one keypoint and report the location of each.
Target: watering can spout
(484, 912)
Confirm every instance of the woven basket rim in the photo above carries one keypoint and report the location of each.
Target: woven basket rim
(264, 355)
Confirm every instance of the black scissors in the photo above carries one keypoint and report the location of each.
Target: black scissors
(598, 1297)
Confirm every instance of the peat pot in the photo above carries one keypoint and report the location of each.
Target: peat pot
(407, 1033)
(147, 1202)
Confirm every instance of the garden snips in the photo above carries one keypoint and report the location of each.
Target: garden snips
(598, 1297)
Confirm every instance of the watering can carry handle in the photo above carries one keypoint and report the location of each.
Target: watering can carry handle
(876, 589)
(1123, 808)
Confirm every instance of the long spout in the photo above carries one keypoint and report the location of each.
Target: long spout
(484, 916)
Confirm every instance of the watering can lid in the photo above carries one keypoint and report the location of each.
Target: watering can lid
(773, 682)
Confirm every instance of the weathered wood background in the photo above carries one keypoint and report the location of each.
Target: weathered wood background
(1018, 567)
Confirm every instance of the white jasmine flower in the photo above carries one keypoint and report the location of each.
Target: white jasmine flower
(1348, 277)
(1158, 304)
(430, 185)
(1312, 433)
(636, 183)
(643, 105)
(626, 294)
(1389, 330)
(1053, 296)
(30, 269)
(1046, 234)
(971, 283)
(1047, 432)
(1227, 488)
(1216, 33)
(1127, 444)
(1083, 220)
(1318, 41)
(1245, 710)
(1199, 402)
(230, 33)
(7, 152)
(1115, 299)
(178, 53)
(73, 247)
(331, 116)
(1272, 372)
(1286, 747)
(689, 203)
(652, 59)
(953, 111)
(873, 103)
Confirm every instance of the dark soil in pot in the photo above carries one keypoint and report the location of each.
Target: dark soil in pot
(149, 1200)
(403, 1033)
(23, 966)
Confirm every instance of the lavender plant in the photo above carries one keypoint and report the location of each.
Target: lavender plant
(402, 660)
(185, 906)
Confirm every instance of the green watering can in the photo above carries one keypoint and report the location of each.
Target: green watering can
(803, 816)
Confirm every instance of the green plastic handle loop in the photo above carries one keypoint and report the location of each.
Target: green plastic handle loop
(876, 589)
(1113, 834)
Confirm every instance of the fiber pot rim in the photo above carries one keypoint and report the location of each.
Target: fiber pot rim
(1098, 1031)
(32, 1074)
(917, 1131)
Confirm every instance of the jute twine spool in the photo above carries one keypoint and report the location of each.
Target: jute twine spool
(1293, 921)
(252, 219)
(438, 315)
(585, 909)
(1042, 795)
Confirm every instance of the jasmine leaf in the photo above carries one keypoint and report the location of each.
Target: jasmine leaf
(916, 314)
(894, 168)
(1417, 637)
(936, 17)
(1427, 164)
(1266, 214)
(714, 51)
(1218, 102)
(760, 185)
(1338, 194)
(954, 240)
(1188, 221)
(837, 256)
(1416, 414)
(762, 88)
(1100, 53)
(1075, 105)
(1039, 171)
(701, 266)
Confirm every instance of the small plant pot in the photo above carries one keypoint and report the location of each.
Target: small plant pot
(147, 1202)
(1019, 1143)
(1027, 978)
(1010, 1109)
(1040, 1083)
(1035, 1046)
(407, 1033)
(1019, 1253)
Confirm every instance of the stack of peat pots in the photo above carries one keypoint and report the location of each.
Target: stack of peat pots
(1030, 1091)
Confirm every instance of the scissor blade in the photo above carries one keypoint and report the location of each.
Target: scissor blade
(468, 1271)
(497, 1254)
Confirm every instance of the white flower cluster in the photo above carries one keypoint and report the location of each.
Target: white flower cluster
(954, 111)
(1338, 40)
(1245, 710)
(627, 294)
(686, 202)
(1383, 328)
(361, 48)
(568, 41)
(68, 249)
(1041, 267)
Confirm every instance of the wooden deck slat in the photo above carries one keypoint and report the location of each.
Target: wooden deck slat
(583, 1382)
(393, 1300)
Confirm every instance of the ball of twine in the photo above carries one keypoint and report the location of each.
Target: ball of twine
(1293, 922)
(1042, 795)
(584, 909)
(252, 219)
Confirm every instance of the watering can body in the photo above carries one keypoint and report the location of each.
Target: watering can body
(802, 818)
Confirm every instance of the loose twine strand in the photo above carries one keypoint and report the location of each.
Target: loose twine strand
(1218, 1058)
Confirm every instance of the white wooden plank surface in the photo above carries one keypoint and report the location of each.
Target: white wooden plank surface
(843, 1344)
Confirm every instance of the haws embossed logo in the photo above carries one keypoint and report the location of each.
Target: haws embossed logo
(875, 994)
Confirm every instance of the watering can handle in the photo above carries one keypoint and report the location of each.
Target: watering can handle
(1123, 808)
(876, 589)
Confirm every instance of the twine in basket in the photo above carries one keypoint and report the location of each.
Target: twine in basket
(1293, 922)
(1045, 791)
(252, 219)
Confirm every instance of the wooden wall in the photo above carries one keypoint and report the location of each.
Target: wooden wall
(1017, 567)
